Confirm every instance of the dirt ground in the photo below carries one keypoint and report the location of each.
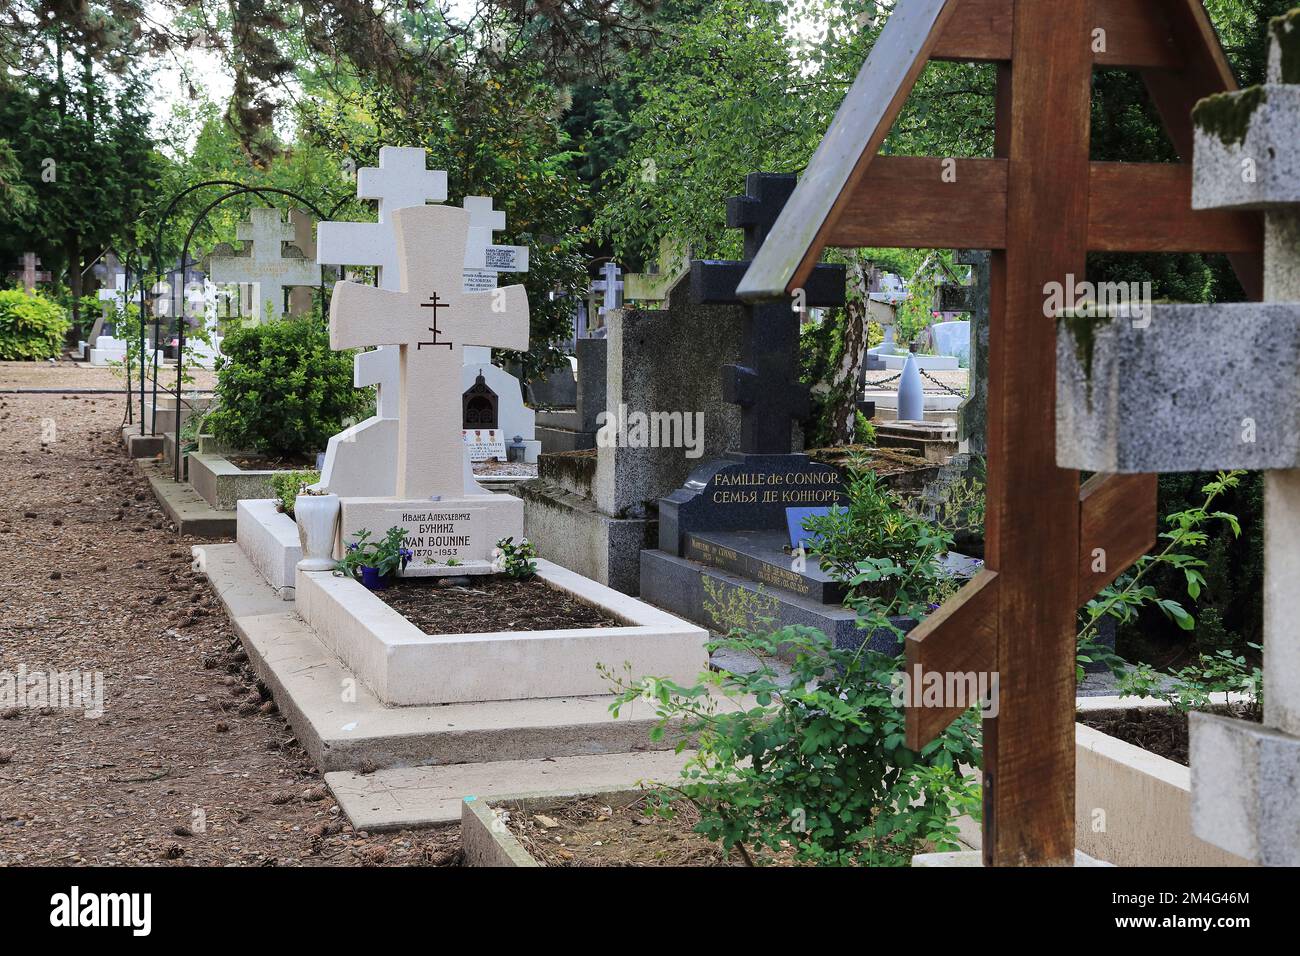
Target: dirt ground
(489, 604)
(612, 831)
(189, 763)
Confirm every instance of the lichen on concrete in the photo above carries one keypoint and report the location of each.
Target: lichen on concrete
(1286, 34)
(1082, 324)
(1228, 115)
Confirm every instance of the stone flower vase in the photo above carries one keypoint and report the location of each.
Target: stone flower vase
(317, 517)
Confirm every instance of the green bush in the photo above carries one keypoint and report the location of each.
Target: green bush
(286, 486)
(281, 390)
(31, 326)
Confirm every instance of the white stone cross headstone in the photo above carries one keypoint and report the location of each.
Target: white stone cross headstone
(432, 319)
(484, 261)
(264, 266)
(400, 181)
(611, 285)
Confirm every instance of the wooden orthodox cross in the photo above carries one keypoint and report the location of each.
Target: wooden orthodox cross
(1040, 205)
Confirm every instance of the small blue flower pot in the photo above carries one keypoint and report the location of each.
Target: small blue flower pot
(372, 579)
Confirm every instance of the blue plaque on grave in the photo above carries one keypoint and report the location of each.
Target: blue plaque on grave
(794, 518)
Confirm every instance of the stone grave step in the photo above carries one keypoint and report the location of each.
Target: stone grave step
(412, 797)
(933, 441)
(343, 726)
(764, 556)
(184, 506)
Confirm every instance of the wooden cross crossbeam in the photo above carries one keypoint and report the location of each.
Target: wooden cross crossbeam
(1040, 205)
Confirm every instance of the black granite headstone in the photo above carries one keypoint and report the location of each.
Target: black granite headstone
(746, 493)
(766, 386)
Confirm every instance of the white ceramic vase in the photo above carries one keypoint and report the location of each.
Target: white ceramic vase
(317, 517)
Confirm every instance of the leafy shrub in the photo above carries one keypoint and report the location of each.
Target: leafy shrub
(288, 485)
(816, 766)
(31, 326)
(1178, 566)
(515, 560)
(879, 545)
(281, 390)
(814, 762)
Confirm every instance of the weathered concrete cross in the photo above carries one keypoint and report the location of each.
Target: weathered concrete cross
(265, 265)
(431, 319)
(1141, 398)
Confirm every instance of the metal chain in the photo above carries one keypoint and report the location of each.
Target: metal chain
(946, 388)
(925, 374)
(883, 381)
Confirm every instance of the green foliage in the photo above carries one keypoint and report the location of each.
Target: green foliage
(816, 766)
(1193, 687)
(31, 326)
(864, 430)
(387, 555)
(881, 548)
(1189, 532)
(281, 390)
(76, 156)
(288, 485)
(515, 560)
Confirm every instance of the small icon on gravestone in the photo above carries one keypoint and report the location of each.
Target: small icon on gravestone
(479, 406)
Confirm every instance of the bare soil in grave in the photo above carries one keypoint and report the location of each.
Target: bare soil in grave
(612, 831)
(1161, 732)
(490, 603)
(190, 763)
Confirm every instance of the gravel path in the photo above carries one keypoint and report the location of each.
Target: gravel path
(189, 763)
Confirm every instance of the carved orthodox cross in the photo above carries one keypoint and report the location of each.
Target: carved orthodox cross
(432, 319)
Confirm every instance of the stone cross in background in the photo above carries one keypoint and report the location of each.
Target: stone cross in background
(766, 386)
(484, 261)
(264, 264)
(29, 274)
(304, 239)
(431, 319)
(611, 286)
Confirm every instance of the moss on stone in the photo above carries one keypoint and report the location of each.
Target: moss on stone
(1083, 325)
(1286, 33)
(1227, 115)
